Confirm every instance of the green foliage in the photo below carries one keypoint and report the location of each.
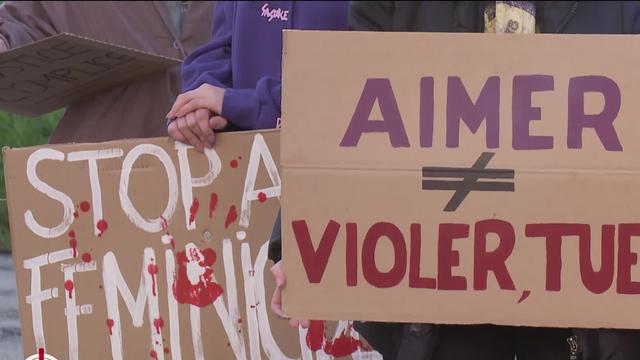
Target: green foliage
(20, 131)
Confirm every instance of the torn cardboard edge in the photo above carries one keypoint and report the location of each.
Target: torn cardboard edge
(52, 73)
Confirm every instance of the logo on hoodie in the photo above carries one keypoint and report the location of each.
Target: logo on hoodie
(282, 15)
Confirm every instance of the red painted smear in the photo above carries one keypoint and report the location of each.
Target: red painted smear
(343, 346)
(41, 354)
(262, 197)
(166, 350)
(86, 257)
(315, 335)
(75, 214)
(84, 206)
(72, 234)
(153, 354)
(234, 163)
(193, 210)
(173, 243)
(110, 323)
(158, 324)
(68, 285)
(102, 226)
(206, 291)
(153, 270)
(73, 243)
(232, 215)
(213, 203)
(165, 225)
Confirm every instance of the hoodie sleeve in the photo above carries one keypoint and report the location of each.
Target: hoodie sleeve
(246, 109)
(23, 22)
(211, 63)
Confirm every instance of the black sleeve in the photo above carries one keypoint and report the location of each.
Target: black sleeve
(275, 243)
(371, 15)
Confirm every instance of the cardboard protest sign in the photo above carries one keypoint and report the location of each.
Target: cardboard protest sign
(462, 178)
(49, 74)
(144, 249)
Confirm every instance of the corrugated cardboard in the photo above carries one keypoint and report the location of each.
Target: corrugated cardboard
(174, 301)
(501, 218)
(49, 74)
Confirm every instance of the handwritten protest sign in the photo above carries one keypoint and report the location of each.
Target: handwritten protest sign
(142, 249)
(49, 74)
(462, 178)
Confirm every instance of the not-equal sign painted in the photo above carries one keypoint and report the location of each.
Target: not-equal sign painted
(465, 180)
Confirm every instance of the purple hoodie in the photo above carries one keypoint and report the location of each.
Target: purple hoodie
(245, 52)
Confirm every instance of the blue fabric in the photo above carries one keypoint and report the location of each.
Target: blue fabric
(245, 52)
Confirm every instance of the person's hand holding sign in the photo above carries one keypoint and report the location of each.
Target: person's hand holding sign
(276, 301)
(194, 117)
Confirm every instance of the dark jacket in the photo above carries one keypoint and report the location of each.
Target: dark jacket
(567, 17)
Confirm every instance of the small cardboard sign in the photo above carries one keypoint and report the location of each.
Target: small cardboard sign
(462, 178)
(143, 249)
(52, 73)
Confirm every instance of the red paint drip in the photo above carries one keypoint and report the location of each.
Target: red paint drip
(234, 163)
(86, 257)
(232, 215)
(102, 226)
(206, 291)
(315, 335)
(84, 206)
(41, 354)
(344, 345)
(262, 197)
(193, 210)
(68, 285)
(110, 323)
(73, 243)
(165, 225)
(153, 270)
(213, 204)
(72, 234)
(158, 324)
(166, 350)
(524, 296)
(153, 354)
(76, 214)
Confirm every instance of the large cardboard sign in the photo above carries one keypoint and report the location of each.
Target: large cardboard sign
(143, 249)
(462, 178)
(52, 73)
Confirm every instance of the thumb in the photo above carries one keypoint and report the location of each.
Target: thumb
(278, 274)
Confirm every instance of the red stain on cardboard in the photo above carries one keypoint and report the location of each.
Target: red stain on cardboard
(232, 215)
(166, 350)
(262, 197)
(75, 214)
(193, 281)
(73, 243)
(193, 211)
(153, 354)
(85, 206)
(234, 163)
(342, 346)
(315, 335)
(102, 226)
(86, 257)
(213, 204)
(153, 270)
(72, 234)
(110, 323)
(158, 324)
(68, 285)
